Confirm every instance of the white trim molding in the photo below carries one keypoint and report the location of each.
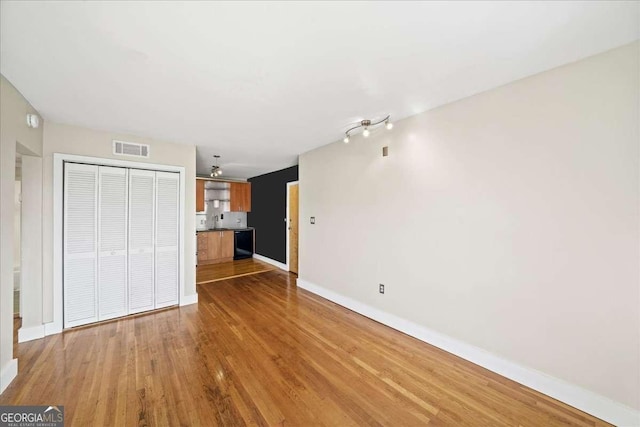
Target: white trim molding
(8, 373)
(188, 300)
(580, 398)
(271, 261)
(31, 333)
(52, 328)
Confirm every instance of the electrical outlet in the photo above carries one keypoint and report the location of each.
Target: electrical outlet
(313, 220)
(381, 289)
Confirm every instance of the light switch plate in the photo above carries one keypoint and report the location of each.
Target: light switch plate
(313, 220)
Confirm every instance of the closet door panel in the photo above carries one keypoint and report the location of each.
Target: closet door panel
(141, 240)
(80, 244)
(112, 242)
(167, 235)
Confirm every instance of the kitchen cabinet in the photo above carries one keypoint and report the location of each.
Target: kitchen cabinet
(240, 197)
(215, 246)
(200, 195)
(226, 245)
(233, 196)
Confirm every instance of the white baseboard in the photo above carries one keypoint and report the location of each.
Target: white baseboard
(273, 262)
(189, 299)
(31, 333)
(8, 373)
(580, 398)
(52, 328)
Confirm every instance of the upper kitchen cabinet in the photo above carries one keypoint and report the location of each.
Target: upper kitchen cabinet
(240, 197)
(199, 195)
(225, 195)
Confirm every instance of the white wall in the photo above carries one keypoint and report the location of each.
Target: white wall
(66, 139)
(13, 131)
(31, 254)
(508, 220)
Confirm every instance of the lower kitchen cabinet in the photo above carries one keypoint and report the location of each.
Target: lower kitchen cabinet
(215, 246)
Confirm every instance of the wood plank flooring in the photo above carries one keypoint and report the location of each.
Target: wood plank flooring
(258, 351)
(227, 270)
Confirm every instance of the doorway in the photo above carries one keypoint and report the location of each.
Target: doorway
(292, 225)
(17, 236)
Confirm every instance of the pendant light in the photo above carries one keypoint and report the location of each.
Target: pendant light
(215, 169)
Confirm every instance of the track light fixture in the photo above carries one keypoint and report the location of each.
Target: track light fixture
(215, 169)
(366, 124)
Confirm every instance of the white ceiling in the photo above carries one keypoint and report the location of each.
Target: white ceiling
(260, 83)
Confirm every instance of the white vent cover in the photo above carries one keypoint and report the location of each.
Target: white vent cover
(123, 148)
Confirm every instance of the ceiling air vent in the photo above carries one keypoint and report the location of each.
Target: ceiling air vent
(123, 148)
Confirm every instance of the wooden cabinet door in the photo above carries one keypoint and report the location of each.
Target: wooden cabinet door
(203, 247)
(227, 244)
(240, 197)
(234, 197)
(199, 195)
(246, 197)
(214, 248)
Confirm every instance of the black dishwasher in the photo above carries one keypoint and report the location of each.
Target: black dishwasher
(243, 244)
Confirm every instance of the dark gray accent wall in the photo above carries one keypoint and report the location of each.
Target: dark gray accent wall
(269, 210)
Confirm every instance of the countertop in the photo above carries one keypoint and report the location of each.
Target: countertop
(225, 229)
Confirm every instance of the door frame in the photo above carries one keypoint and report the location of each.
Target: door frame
(286, 222)
(56, 326)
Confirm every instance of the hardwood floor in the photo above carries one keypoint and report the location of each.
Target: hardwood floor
(227, 270)
(258, 351)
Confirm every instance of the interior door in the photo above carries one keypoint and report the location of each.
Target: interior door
(80, 244)
(167, 233)
(112, 242)
(293, 228)
(141, 240)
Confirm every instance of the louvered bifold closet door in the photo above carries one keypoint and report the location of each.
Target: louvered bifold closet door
(167, 232)
(141, 231)
(112, 242)
(80, 244)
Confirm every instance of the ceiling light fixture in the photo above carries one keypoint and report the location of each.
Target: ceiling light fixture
(215, 169)
(366, 124)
